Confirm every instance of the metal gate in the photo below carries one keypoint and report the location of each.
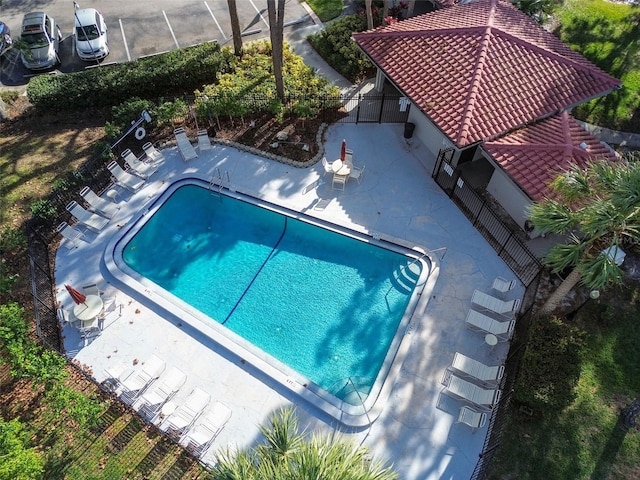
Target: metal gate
(377, 108)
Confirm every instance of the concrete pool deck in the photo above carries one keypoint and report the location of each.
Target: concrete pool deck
(416, 430)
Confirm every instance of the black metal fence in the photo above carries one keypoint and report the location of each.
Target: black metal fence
(512, 364)
(505, 240)
(359, 108)
(524, 264)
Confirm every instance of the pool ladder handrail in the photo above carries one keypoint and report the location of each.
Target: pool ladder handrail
(218, 180)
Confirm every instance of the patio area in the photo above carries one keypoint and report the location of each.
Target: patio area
(395, 199)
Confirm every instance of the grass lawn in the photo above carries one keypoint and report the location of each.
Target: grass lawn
(583, 441)
(326, 9)
(608, 34)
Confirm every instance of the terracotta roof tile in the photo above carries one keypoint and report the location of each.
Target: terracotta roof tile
(481, 69)
(533, 156)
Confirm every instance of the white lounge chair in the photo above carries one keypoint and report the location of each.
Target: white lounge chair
(155, 156)
(135, 384)
(484, 301)
(326, 166)
(200, 438)
(348, 157)
(501, 286)
(356, 173)
(464, 390)
(163, 390)
(186, 414)
(466, 366)
(124, 179)
(141, 169)
(204, 142)
(71, 234)
(86, 218)
(184, 145)
(479, 321)
(91, 289)
(471, 417)
(98, 204)
(339, 181)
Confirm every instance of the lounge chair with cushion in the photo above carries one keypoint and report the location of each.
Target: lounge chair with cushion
(469, 367)
(479, 321)
(464, 390)
(184, 145)
(135, 384)
(484, 301)
(501, 286)
(163, 390)
(90, 220)
(471, 417)
(125, 179)
(200, 438)
(98, 204)
(204, 142)
(71, 234)
(153, 155)
(137, 166)
(186, 414)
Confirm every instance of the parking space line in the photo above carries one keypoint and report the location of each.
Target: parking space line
(126, 47)
(260, 13)
(215, 20)
(175, 40)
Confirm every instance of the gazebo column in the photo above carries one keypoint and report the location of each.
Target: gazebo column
(379, 86)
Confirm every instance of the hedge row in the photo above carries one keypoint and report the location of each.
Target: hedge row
(151, 77)
(336, 46)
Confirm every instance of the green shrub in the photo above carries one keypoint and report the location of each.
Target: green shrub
(27, 358)
(43, 210)
(250, 87)
(167, 111)
(18, 461)
(551, 365)
(12, 240)
(335, 45)
(180, 70)
(84, 408)
(123, 113)
(9, 96)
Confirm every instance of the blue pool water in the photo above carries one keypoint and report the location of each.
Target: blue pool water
(325, 304)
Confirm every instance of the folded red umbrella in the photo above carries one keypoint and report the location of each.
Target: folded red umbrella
(343, 150)
(77, 296)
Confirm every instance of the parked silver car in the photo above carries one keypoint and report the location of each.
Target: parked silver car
(90, 34)
(42, 37)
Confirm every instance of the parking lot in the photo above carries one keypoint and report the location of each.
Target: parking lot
(144, 28)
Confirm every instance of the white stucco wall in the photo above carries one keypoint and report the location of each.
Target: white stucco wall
(427, 133)
(512, 199)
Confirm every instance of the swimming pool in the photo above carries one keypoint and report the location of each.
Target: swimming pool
(324, 306)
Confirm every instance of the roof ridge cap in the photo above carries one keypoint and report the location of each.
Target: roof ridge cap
(485, 44)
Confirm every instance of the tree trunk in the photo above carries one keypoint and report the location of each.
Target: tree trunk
(276, 28)
(235, 28)
(561, 292)
(412, 4)
(385, 8)
(367, 6)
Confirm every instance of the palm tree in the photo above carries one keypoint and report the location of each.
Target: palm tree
(235, 28)
(368, 9)
(276, 27)
(286, 453)
(598, 208)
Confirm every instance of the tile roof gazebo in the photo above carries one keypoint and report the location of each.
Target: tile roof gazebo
(481, 70)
